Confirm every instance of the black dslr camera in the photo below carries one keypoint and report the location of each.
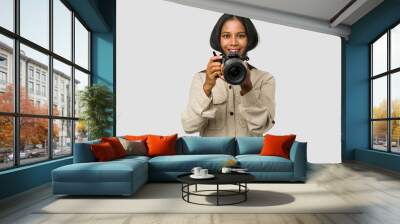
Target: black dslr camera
(234, 68)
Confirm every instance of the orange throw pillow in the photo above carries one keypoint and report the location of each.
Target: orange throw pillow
(135, 138)
(277, 145)
(161, 145)
(116, 145)
(103, 152)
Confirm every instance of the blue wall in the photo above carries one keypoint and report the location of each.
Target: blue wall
(24, 178)
(356, 63)
(99, 15)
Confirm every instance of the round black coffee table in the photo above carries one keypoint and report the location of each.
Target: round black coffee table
(239, 179)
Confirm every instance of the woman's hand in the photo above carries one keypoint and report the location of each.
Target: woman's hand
(246, 84)
(213, 71)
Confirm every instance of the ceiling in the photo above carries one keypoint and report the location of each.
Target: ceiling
(326, 16)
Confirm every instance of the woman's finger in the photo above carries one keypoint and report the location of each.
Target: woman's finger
(215, 58)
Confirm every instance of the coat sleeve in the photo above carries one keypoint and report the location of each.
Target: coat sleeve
(257, 108)
(199, 108)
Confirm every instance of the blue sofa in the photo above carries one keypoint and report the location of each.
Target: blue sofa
(125, 176)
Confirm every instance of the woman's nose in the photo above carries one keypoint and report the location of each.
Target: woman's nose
(233, 41)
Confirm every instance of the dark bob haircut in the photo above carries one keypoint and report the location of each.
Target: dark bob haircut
(251, 32)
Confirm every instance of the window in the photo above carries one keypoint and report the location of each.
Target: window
(30, 72)
(6, 142)
(43, 90)
(81, 45)
(385, 91)
(3, 78)
(62, 75)
(38, 89)
(55, 126)
(3, 72)
(35, 21)
(62, 29)
(30, 87)
(3, 61)
(81, 81)
(7, 14)
(6, 74)
(37, 74)
(62, 137)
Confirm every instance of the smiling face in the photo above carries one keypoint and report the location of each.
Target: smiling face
(233, 37)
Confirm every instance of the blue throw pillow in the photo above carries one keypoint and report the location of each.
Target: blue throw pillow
(249, 145)
(192, 145)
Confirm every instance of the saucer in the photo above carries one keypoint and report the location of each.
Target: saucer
(208, 176)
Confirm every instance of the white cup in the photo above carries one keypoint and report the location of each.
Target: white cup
(226, 170)
(203, 172)
(196, 171)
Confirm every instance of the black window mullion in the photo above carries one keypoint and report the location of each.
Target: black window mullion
(16, 84)
(371, 137)
(73, 82)
(50, 87)
(389, 100)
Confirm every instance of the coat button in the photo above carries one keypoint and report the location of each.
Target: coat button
(230, 87)
(231, 113)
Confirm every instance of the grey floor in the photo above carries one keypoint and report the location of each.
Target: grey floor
(377, 188)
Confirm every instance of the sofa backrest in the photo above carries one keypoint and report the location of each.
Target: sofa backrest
(192, 145)
(249, 145)
(83, 152)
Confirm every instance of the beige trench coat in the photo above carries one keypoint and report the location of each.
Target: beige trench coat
(226, 112)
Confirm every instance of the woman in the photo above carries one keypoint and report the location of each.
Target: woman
(217, 108)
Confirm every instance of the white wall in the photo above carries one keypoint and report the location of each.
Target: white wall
(160, 45)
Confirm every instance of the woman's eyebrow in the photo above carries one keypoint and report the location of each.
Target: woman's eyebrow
(226, 32)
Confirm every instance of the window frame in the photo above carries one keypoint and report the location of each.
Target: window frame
(388, 74)
(15, 72)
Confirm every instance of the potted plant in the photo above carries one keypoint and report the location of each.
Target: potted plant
(96, 102)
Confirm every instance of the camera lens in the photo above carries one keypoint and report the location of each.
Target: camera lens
(234, 72)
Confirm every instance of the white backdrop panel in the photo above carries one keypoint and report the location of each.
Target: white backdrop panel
(160, 45)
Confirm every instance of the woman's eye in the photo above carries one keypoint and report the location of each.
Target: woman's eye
(225, 36)
(242, 35)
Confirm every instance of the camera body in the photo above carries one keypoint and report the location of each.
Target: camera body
(235, 68)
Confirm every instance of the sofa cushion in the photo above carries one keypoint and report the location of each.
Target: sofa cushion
(103, 152)
(195, 145)
(185, 163)
(83, 152)
(134, 147)
(116, 145)
(277, 145)
(161, 145)
(131, 158)
(257, 163)
(111, 171)
(249, 145)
